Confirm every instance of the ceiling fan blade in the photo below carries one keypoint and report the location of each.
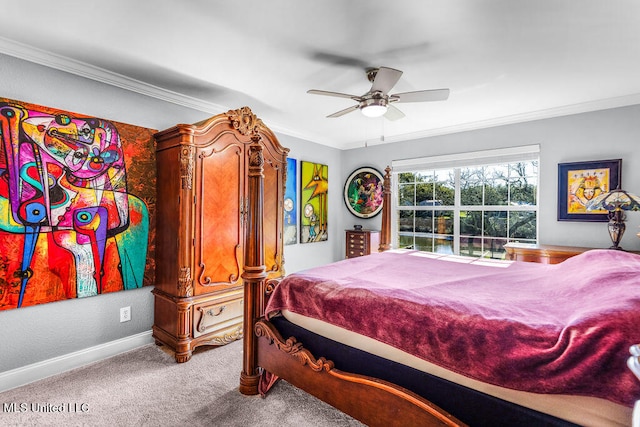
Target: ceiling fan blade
(336, 59)
(336, 94)
(393, 113)
(386, 79)
(420, 96)
(343, 112)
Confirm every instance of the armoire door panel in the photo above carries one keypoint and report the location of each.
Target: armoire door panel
(272, 228)
(168, 224)
(218, 255)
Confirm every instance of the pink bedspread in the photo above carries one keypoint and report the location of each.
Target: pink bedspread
(563, 328)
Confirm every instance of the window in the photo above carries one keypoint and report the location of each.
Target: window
(470, 204)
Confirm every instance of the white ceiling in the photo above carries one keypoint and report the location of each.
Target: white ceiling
(504, 61)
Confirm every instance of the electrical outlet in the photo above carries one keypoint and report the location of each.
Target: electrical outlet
(125, 314)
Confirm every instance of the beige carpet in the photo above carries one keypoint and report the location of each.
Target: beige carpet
(145, 387)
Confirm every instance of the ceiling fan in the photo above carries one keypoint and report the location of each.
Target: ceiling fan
(377, 101)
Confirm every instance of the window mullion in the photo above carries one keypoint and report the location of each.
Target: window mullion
(456, 212)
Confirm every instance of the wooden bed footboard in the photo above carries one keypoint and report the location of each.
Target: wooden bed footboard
(374, 402)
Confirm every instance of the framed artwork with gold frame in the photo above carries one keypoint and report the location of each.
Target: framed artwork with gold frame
(581, 182)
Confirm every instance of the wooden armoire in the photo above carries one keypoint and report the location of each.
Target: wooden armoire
(202, 209)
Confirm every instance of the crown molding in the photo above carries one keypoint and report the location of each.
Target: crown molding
(585, 107)
(62, 63)
(82, 69)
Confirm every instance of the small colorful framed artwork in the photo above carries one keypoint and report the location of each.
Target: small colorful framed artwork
(291, 204)
(314, 185)
(581, 182)
(363, 192)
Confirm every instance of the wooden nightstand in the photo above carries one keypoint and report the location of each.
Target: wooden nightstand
(545, 254)
(361, 242)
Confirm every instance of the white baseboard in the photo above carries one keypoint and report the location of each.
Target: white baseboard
(47, 368)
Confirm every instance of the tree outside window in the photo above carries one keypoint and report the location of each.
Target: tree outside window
(471, 210)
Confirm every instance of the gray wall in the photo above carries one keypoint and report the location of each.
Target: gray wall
(601, 135)
(32, 334)
(301, 256)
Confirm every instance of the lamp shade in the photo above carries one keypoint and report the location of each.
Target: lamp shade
(615, 200)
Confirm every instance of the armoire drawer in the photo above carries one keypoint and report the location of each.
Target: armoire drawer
(217, 315)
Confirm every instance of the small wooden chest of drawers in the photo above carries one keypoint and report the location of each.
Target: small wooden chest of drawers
(361, 242)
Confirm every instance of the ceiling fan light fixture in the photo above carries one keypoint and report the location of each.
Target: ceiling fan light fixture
(374, 107)
(376, 102)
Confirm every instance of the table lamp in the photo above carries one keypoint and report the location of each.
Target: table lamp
(616, 202)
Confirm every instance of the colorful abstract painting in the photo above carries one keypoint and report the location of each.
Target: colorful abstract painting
(363, 192)
(314, 185)
(290, 204)
(77, 202)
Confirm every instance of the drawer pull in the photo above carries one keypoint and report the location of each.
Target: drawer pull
(220, 310)
(213, 314)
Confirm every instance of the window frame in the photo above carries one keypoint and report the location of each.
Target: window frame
(456, 163)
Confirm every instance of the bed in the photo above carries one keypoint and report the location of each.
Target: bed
(552, 353)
